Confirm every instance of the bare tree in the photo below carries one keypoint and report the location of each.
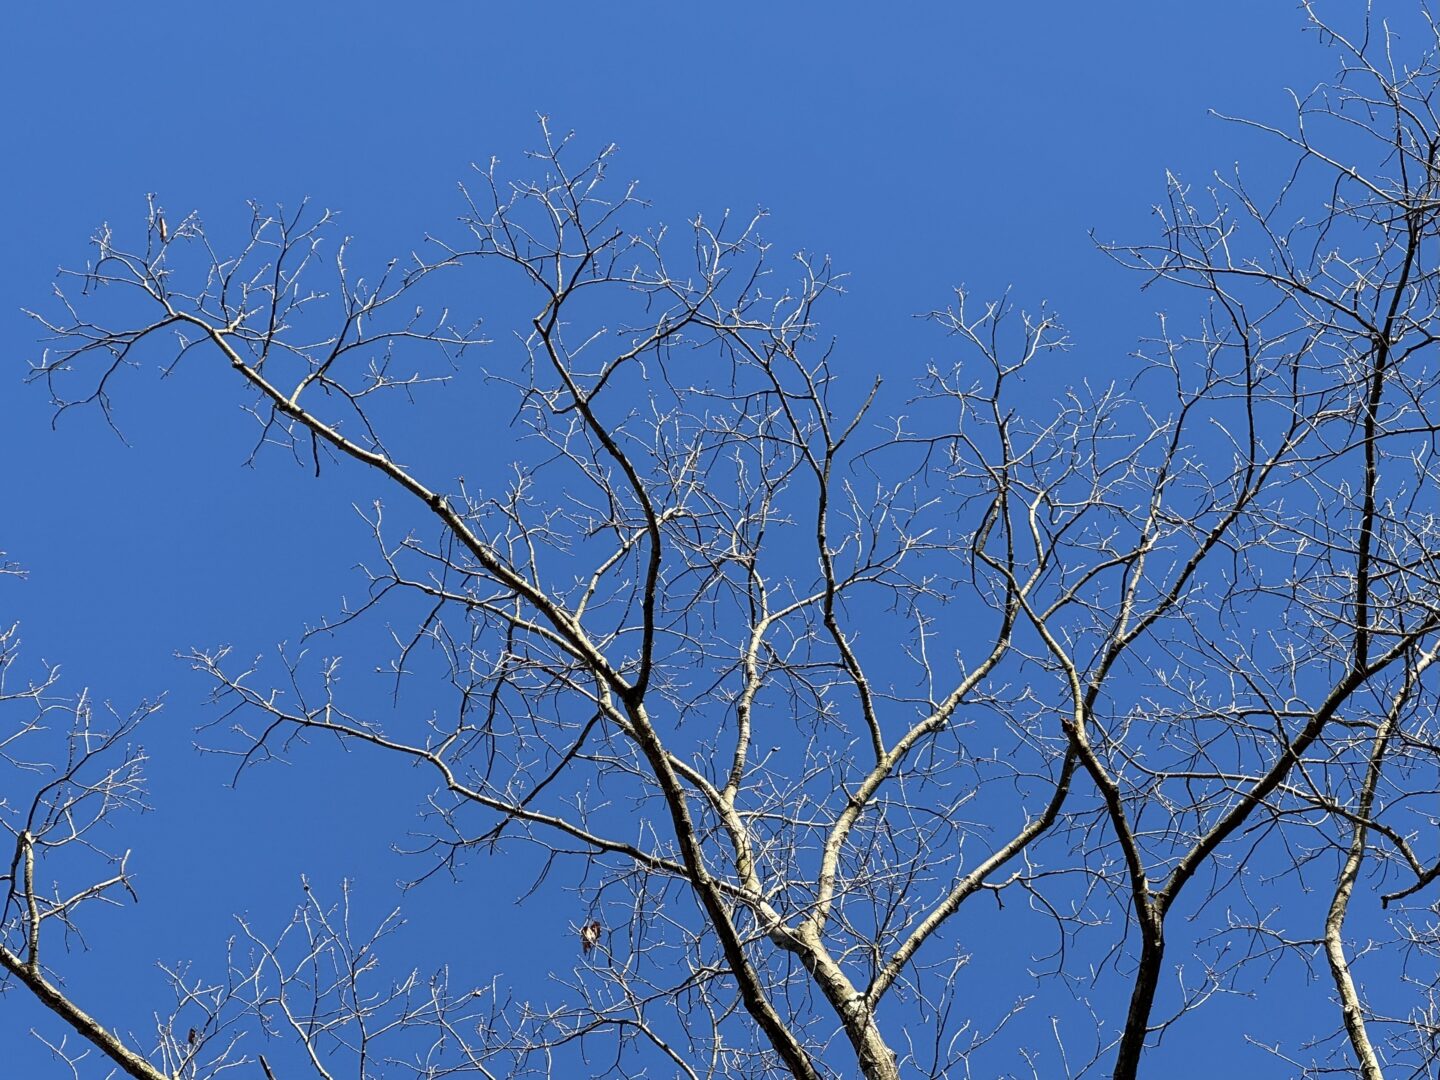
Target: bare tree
(66, 771)
(799, 672)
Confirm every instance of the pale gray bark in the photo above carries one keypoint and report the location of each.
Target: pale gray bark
(1177, 601)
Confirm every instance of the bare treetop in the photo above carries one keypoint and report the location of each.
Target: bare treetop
(801, 671)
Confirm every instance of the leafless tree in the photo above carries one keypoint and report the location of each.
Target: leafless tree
(66, 771)
(810, 679)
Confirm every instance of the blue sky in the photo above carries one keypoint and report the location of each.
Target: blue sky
(921, 148)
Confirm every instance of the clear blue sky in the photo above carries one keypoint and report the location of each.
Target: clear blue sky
(920, 145)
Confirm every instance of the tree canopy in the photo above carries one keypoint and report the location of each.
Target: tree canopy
(974, 716)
